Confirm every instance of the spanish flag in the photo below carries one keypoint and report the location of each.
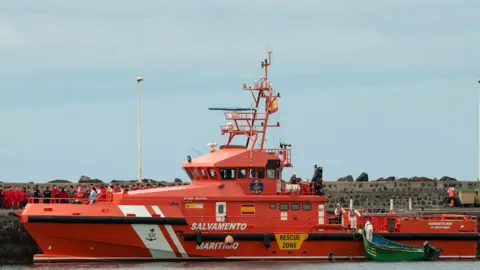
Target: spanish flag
(273, 108)
(248, 209)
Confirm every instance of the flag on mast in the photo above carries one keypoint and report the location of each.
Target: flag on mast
(273, 108)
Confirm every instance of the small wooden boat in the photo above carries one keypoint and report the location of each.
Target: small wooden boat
(384, 250)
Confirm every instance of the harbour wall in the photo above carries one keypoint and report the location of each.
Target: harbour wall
(377, 195)
(18, 247)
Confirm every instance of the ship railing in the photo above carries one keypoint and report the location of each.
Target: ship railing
(244, 116)
(43, 200)
(302, 188)
(285, 155)
(240, 128)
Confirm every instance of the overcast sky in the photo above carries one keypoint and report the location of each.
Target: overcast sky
(385, 87)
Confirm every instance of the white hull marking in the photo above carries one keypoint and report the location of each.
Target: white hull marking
(159, 248)
(171, 233)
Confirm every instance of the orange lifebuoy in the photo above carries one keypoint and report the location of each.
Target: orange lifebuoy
(305, 188)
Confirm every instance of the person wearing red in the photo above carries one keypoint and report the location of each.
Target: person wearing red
(8, 198)
(63, 196)
(135, 187)
(116, 188)
(109, 193)
(103, 194)
(16, 199)
(54, 194)
(2, 198)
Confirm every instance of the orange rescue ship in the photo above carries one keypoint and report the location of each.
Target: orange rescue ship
(236, 208)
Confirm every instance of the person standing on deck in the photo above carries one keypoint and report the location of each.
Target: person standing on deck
(294, 179)
(93, 195)
(352, 217)
(451, 195)
(369, 230)
(339, 211)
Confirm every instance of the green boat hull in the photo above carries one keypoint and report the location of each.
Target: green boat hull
(383, 250)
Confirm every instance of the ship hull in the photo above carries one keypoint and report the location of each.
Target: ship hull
(144, 242)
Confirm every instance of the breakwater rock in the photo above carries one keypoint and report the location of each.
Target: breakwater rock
(17, 247)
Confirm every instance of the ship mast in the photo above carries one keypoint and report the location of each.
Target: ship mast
(252, 122)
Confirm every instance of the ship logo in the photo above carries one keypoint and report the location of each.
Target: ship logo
(256, 186)
(151, 235)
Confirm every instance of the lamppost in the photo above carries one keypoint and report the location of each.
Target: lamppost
(478, 126)
(139, 79)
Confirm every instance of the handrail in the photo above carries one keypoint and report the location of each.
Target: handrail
(43, 200)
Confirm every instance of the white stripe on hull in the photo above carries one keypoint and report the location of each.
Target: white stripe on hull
(159, 248)
(172, 234)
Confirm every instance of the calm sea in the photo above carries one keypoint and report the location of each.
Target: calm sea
(265, 265)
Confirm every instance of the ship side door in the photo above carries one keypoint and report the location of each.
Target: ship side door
(220, 211)
(321, 214)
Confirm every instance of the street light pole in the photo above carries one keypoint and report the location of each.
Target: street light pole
(139, 79)
(478, 126)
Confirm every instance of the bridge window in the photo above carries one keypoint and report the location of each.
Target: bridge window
(203, 173)
(212, 173)
(253, 173)
(227, 174)
(242, 173)
(283, 206)
(295, 207)
(261, 173)
(188, 173)
(194, 173)
(272, 206)
(271, 174)
(306, 207)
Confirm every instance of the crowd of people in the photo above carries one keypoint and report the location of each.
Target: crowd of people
(13, 198)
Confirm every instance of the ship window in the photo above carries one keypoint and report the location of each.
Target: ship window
(295, 207)
(195, 173)
(242, 173)
(188, 173)
(253, 173)
(272, 206)
(203, 173)
(283, 206)
(212, 173)
(271, 173)
(221, 208)
(227, 174)
(261, 173)
(306, 207)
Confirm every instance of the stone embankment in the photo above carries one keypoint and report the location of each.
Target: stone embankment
(17, 247)
(377, 195)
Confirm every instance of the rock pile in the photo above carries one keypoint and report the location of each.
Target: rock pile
(364, 178)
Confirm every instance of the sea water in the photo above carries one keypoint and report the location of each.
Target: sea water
(262, 265)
